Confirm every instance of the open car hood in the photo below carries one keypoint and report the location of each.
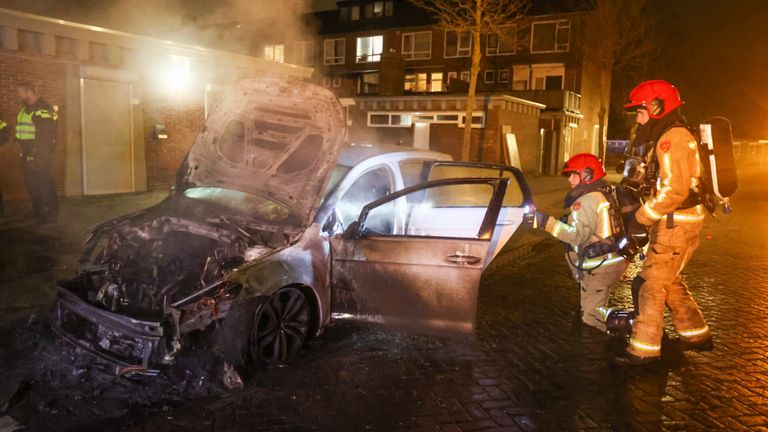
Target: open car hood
(269, 138)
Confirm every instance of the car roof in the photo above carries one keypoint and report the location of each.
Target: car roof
(353, 153)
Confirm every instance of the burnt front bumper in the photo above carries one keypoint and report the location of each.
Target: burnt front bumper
(132, 345)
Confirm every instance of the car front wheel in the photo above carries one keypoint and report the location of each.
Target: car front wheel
(280, 327)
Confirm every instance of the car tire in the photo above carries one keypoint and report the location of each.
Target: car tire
(280, 326)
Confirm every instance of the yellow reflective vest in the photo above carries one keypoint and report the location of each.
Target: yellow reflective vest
(25, 125)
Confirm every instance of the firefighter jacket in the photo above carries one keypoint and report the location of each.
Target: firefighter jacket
(679, 178)
(589, 222)
(36, 126)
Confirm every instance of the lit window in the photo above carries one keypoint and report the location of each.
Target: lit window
(355, 13)
(464, 76)
(458, 44)
(503, 42)
(303, 53)
(275, 53)
(378, 9)
(417, 45)
(369, 48)
(423, 82)
(333, 51)
(551, 36)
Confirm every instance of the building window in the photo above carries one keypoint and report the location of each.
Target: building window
(548, 76)
(503, 42)
(303, 53)
(520, 77)
(502, 76)
(389, 8)
(275, 53)
(417, 46)
(336, 82)
(354, 13)
(368, 83)
(369, 48)
(424, 82)
(458, 44)
(551, 36)
(489, 76)
(326, 81)
(344, 13)
(333, 51)
(464, 76)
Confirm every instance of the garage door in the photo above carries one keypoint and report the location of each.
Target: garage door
(107, 147)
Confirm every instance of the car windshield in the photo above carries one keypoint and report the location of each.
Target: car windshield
(254, 206)
(338, 173)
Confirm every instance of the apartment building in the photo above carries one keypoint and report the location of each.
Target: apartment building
(405, 78)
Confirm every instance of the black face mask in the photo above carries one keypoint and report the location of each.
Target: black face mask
(582, 189)
(653, 129)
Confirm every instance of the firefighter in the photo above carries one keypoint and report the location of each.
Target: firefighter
(5, 133)
(36, 135)
(586, 230)
(674, 217)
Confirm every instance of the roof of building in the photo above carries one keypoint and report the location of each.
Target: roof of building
(408, 15)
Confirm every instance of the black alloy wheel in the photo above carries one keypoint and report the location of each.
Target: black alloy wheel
(280, 327)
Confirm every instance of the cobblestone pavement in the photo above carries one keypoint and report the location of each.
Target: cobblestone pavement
(529, 367)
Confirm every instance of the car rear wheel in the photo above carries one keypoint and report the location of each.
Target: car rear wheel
(280, 327)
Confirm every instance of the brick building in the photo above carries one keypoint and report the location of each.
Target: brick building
(129, 106)
(404, 78)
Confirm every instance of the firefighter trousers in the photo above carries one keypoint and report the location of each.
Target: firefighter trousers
(595, 289)
(669, 251)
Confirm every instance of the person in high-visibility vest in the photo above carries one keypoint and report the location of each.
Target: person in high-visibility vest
(5, 133)
(36, 136)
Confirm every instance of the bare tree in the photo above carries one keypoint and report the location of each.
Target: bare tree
(616, 37)
(477, 17)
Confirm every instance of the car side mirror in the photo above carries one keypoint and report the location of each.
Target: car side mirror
(352, 232)
(331, 225)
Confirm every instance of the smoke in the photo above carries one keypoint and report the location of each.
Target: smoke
(232, 25)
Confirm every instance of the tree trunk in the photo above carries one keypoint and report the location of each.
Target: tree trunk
(603, 113)
(477, 55)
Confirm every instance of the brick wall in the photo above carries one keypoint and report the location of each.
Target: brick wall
(49, 77)
(182, 113)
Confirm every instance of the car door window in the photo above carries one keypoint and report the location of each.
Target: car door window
(514, 196)
(372, 185)
(450, 210)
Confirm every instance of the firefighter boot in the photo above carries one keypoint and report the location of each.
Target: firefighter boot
(628, 359)
(619, 323)
(704, 345)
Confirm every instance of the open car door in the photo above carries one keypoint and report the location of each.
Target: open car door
(414, 258)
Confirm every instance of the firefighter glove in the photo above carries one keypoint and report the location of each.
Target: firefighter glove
(540, 220)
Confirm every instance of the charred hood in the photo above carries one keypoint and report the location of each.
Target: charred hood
(271, 139)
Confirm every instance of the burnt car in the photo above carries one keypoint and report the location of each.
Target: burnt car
(275, 226)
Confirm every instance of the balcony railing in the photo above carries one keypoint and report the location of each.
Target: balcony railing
(554, 99)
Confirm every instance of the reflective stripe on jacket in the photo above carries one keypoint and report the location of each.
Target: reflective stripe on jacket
(679, 172)
(588, 222)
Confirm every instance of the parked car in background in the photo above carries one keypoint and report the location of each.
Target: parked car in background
(275, 226)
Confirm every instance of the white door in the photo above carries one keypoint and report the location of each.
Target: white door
(421, 135)
(107, 146)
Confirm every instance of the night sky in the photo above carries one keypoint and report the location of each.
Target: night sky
(714, 51)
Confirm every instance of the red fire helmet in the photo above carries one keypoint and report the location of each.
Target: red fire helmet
(659, 97)
(587, 165)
